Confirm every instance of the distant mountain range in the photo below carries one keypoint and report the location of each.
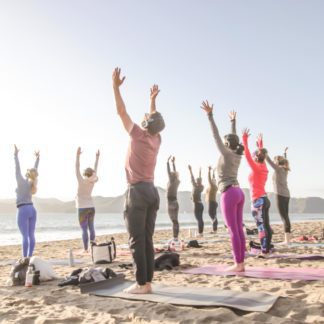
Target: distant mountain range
(116, 204)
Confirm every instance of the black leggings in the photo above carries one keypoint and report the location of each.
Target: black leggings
(283, 207)
(199, 208)
(212, 211)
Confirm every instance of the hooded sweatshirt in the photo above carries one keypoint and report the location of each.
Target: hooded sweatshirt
(85, 187)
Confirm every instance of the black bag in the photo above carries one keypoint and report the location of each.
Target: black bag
(103, 252)
(194, 244)
(167, 261)
(18, 272)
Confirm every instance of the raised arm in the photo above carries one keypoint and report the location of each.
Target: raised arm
(232, 116)
(209, 110)
(37, 159)
(17, 164)
(271, 163)
(209, 175)
(251, 162)
(259, 141)
(96, 162)
(121, 108)
(173, 164)
(193, 181)
(285, 152)
(168, 166)
(154, 92)
(77, 164)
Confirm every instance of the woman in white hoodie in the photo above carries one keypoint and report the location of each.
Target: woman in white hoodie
(84, 202)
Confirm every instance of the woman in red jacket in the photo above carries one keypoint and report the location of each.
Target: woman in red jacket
(257, 179)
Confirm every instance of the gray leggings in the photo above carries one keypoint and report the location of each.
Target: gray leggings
(173, 210)
(141, 205)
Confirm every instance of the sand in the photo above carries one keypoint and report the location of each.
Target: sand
(300, 302)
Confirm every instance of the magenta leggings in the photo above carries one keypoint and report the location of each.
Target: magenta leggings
(232, 202)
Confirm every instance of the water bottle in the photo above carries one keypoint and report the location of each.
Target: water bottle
(182, 245)
(29, 277)
(70, 258)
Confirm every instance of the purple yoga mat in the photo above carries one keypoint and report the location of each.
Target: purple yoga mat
(289, 256)
(262, 272)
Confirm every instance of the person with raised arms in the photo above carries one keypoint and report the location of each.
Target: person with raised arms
(232, 196)
(172, 201)
(197, 189)
(84, 201)
(260, 204)
(211, 198)
(142, 197)
(280, 164)
(26, 212)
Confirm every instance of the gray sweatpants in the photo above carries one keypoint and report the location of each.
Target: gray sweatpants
(141, 205)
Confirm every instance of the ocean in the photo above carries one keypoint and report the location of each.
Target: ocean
(58, 226)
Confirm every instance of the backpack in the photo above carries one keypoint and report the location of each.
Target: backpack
(194, 244)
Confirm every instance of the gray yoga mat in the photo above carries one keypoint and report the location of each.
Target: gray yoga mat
(51, 261)
(185, 296)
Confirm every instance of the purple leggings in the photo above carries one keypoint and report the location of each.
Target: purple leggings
(232, 202)
(26, 220)
(86, 221)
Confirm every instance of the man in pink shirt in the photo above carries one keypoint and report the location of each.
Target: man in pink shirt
(142, 198)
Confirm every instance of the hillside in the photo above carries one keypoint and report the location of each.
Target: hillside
(116, 204)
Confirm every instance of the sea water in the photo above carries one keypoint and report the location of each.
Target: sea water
(59, 226)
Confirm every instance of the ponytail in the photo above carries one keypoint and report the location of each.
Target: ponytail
(32, 175)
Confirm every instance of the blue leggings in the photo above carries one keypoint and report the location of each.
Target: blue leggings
(86, 220)
(26, 220)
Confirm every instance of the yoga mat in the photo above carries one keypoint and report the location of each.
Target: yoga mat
(262, 272)
(302, 244)
(288, 256)
(51, 261)
(185, 296)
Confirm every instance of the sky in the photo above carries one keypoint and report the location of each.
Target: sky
(263, 59)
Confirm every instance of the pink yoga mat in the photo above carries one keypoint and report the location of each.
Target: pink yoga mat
(262, 272)
(289, 256)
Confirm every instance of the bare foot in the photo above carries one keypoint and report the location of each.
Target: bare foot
(138, 289)
(149, 287)
(237, 267)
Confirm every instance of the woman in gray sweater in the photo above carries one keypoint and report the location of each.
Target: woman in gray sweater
(280, 164)
(232, 196)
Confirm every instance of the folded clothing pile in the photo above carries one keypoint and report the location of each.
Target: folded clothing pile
(87, 275)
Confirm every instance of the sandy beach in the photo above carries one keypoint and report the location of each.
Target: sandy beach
(300, 301)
